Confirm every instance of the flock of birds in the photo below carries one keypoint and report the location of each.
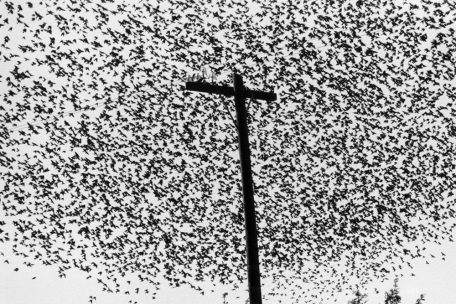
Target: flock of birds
(353, 166)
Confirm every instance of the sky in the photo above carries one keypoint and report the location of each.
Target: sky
(42, 285)
(435, 280)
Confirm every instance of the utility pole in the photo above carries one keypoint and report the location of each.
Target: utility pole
(240, 93)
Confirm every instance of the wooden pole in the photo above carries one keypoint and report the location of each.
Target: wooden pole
(240, 93)
(253, 267)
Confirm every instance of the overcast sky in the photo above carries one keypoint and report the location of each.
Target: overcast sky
(41, 284)
(435, 280)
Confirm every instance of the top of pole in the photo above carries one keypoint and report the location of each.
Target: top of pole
(238, 85)
(230, 91)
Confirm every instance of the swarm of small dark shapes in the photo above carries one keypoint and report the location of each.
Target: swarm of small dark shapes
(131, 174)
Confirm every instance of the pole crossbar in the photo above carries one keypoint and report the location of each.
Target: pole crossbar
(205, 87)
(227, 91)
(240, 93)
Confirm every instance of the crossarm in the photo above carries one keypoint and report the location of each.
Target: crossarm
(209, 88)
(228, 91)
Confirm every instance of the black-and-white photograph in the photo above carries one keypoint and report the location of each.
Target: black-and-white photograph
(227, 151)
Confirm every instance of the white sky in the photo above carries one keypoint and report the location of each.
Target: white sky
(435, 280)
